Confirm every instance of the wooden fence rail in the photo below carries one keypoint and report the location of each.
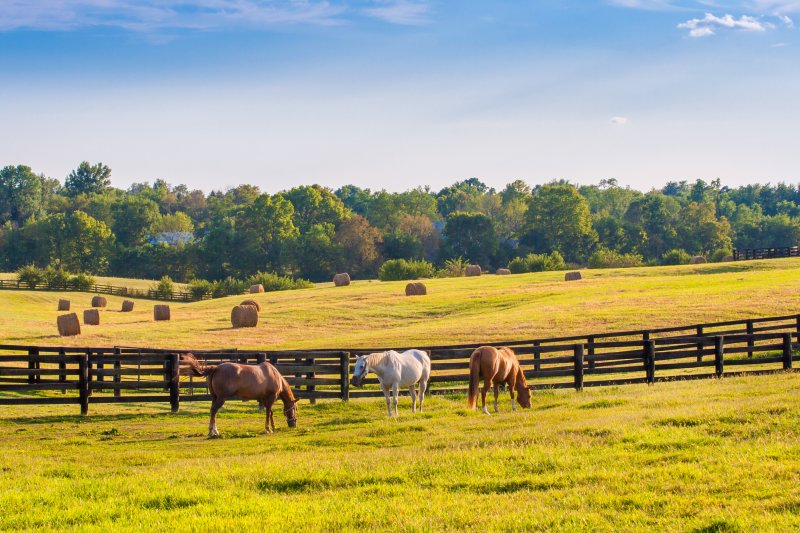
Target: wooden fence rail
(766, 253)
(58, 375)
(150, 294)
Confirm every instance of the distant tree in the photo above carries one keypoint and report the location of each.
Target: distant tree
(355, 198)
(360, 246)
(134, 217)
(21, 194)
(655, 213)
(516, 190)
(471, 236)
(558, 219)
(88, 179)
(74, 241)
(698, 230)
(314, 205)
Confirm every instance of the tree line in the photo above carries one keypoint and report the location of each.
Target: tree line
(150, 230)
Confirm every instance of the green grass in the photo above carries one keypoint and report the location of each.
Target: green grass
(489, 308)
(715, 455)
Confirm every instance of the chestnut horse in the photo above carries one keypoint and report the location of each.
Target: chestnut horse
(495, 366)
(260, 382)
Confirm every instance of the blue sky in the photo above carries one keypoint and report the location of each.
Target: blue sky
(399, 93)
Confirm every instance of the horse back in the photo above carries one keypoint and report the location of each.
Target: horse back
(248, 382)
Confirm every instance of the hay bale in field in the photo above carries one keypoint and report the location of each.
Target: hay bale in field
(161, 312)
(252, 303)
(99, 301)
(91, 317)
(341, 280)
(698, 260)
(244, 316)
(727, 259)
(68, 325)
(572, 276)
(127, 306)
(255, 289)
(63, 305)
(473, 270)
(503, 272)
(416, 289)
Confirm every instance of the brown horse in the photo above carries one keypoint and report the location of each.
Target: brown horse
(260, 382)
(496, 365)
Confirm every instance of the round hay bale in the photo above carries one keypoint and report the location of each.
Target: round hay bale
(244, 316)
(99, 301)
(255, 289)
(341, 280)
(416, 289)
(63, 305)
(253, 303)
(572, 276)
(698, 260)
(503, 272)
(727, 259)
(127, 306)
(68, 325)
(473, 270)
(91, 317)
(161, 312)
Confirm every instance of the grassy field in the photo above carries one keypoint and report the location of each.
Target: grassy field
(489, 308)
(715, 455)
(131, 283)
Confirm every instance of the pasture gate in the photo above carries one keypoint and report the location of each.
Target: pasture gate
(84, 376)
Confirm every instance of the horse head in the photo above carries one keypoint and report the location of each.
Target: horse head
(523, 395)
(290, 411)
(360, 370)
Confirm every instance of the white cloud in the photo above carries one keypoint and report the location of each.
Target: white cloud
(400, 12)
(710, 23)
(619, 121)
(786, 20)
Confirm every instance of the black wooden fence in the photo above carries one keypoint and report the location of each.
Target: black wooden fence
(766, 253)
(151, 294)
(36, 375)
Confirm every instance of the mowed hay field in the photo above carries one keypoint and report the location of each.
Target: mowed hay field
(713, 455)
(716, 455)
(456, 310)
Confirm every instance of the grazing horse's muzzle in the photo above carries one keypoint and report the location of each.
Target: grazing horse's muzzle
(357, 380)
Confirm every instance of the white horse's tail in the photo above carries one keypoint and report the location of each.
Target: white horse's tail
(474, 377)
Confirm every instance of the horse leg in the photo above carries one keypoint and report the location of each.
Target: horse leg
(396, 397)
(388, 401)
(412, 390)
(216, 404)
(422, 386)
(268, 406)
(512, 385)
(486, 384)
(496, 394)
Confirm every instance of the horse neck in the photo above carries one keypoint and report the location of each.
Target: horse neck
(286, 392)
(375, 361)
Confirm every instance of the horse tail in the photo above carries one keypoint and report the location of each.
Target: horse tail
(474, 377)
(190, 366)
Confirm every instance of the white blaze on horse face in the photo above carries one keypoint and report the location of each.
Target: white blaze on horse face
(360, 370)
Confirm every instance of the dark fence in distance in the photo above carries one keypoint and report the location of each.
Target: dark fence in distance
(766, 253)
(174, 296)
(103, 375)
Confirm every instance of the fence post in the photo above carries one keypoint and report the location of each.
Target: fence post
(590, 342)
(344, 374)
(750, 342)
(578, 367)
(89, 372)
(699, 345)
(719, 348)
(537, 356)
(650, 361)
(311, 387)
(83, 383)
(33, 364)
(174, 382)
(100, 366)
(117, 372)
(62, 365)
(787, 351)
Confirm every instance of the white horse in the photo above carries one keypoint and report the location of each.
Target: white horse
(395, 370)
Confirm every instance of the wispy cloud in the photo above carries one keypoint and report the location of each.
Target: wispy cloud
(619, 121)
(709, 24)
(153, 15)
(400, 11)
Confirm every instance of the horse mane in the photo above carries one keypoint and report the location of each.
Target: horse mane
(286, 391)
(375, 359)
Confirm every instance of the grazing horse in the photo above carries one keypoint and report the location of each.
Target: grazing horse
(260, 382)
(395, 370)
(496, 365)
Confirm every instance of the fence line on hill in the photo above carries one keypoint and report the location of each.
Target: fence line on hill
(766, 253)
(35, 375)
(150, 294)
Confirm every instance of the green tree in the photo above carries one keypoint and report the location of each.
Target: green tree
(360, 245)
(699, 232)
(472, 236)
(74, 241)
(21, 194)
(134, 217)
(558, 219)
(656, 214)
(88, 179)
(315, 205)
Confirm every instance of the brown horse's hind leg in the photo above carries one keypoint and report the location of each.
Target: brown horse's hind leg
(512, 384)
(486, 385)
(270, 422)
(496, 394)
(216, 404)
